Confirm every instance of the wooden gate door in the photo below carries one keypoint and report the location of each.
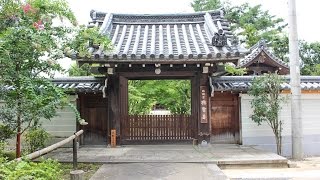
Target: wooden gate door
(225, 118)
(93, 109)
(157, 128)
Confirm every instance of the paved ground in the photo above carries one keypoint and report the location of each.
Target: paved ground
(169, 161)
(306, 169)
(219, 154)
(168, 171)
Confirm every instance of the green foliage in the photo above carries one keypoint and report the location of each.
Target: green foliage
(2, 161)
(316, 71)
(140, 101)
(6, 132)
(29, 49)
(280, 47)
(235, 71)
(174, 95)
(48, 169)
(266, 103)
(9, 155)
(36, 139)
(84, 70)
(205, 5)
(309, 54)
(253, 24)
(85, 38)
(2, 147)
(249, 23)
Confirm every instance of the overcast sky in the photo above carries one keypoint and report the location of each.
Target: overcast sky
(308, 24)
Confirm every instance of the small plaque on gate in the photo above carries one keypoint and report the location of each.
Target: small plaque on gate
(203, 104)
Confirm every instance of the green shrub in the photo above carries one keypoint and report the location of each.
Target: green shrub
(6, 155)
(5, 132)
(2, 146)
(9, 155)
(36, 139)
(25, 170)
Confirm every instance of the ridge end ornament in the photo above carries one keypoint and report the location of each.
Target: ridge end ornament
(219, 40)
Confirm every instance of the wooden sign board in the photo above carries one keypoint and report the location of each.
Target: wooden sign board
(203, 104)
(113, 138)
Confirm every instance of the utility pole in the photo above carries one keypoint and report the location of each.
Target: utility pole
(296, 122)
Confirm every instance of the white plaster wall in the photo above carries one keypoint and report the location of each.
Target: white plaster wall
(63, 125)
(262, 135)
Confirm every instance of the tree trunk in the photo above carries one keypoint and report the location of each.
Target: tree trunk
(279, 144)
(18, 139)
(18, 145)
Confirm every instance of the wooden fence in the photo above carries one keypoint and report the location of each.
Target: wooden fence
(157, 128)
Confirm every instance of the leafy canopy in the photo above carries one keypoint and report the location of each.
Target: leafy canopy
(174, 95)
(31, 42)
(205, 5)
(309, 54)
(84, 70)
(29, 48)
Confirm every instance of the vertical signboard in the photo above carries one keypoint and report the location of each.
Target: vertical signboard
(203, 104)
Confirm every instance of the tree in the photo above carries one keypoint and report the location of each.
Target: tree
(141, 99)
(309, 54)
(249, 23)
(253, 24)
(29, 48)
(205, 5)
(316, 71)
(310, 57)
(266, 103)
(174, 95)
(280, 47)
(84, 70)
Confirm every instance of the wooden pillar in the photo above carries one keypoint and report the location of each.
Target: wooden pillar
(195, 91)
(203, 108)
(113, 103)
(123, 105)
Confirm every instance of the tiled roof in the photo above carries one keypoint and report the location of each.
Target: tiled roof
(80, 84)
(192, 36)
(85, 84)
(242, 83)
(223, 83)
(256, 50)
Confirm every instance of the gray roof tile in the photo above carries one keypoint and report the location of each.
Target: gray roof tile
(242, 83)
(166, 36)
(223, 83)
